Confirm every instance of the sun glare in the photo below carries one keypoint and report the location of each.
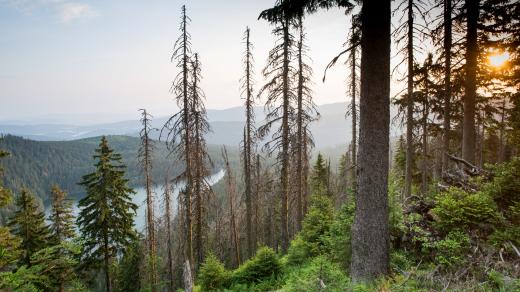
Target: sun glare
(498, 59)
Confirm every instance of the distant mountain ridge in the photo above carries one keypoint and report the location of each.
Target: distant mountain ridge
(333, 128)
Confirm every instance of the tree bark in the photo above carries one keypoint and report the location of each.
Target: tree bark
(447, 85)
(299, 144)
(468, 132)
(354, 122)
(169, 248)
(370, 230)
(409, 106)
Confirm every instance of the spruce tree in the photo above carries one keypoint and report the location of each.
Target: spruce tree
(107, 213)
(28, 223)
(319, 177)
(62, 231)
(9, 244)
(62, 219)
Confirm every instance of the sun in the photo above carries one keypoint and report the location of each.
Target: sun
(498, 59)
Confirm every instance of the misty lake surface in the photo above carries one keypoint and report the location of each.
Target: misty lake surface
(139, 198)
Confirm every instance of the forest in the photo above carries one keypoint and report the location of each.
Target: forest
(434, 209)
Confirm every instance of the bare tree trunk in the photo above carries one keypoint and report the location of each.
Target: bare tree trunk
(501, 145)
(370, 230)
(231, 197)
(187, 143)
(354, 122)
(167, 206)
(424, 166)
(300, 133)
(199, 176)
(187, 277)
(409, 106)
(146, 162)
(447, 85)
(285, 141)
(468, 132)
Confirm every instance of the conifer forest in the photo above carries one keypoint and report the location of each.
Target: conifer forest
(422, 195)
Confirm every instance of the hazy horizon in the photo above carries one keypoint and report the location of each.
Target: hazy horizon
(75, 58)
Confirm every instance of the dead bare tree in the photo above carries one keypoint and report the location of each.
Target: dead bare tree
(145, 156)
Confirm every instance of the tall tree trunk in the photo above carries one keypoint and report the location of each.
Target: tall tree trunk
(147, 165)
(199, 177)
(299, 143)
(231, 197)
(447, 85)
(251, 241)
(167, 206)
(354, 121)
(187, 144)
(409, 106)
(305, 181)
(249, 207)
(502, 144)
(468, 132)
(424, 166)
(370, 230)
(285, 141)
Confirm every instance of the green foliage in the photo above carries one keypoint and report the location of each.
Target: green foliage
(264, 265)
(457, 209)
(339, 240)
(129, 273)
(107, 212)
(317, 223)
(320, 274)
(212, 274)
(38, 165)
(505, 187)
(298, 251)
(62, 220)
(9, 248)
(28, 223)
(319, 184)
(450, 250)
(42, 274)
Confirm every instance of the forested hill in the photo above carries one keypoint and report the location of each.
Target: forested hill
(37, 165)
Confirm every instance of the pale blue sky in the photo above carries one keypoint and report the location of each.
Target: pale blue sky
(113, 57)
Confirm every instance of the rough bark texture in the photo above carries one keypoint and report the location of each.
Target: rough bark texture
(354, 121)
(409, 106)
(468, 131)
(370, 230)
(447, 84)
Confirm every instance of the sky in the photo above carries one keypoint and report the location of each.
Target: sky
(73, 60)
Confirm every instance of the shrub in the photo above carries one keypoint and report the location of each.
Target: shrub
(212, 274)
(318, 275)
(450, 250)
(457, 209)
(298, 251)
(265, 264)
(339, 239)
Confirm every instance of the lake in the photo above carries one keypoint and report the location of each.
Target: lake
(139, 199)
